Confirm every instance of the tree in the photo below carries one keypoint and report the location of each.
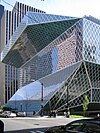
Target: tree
(85, 104)
(1, 108)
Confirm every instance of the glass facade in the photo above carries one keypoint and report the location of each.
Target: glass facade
(11, 26)
(31, 93)
(91, 41)
(63, 56)
(31, 37)
(60, 53)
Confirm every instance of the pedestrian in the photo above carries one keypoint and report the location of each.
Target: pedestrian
(98, 115)
(68, 114)
(54, 114)
(50, 114)
(33, 112)
(65, 114)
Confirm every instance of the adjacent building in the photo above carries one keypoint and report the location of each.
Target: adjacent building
(1, 67)
(61, 55)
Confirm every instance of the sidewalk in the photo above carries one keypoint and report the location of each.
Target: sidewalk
(46, 117)
(43, 117)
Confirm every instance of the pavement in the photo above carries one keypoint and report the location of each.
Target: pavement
(33, 124)
(43, 117)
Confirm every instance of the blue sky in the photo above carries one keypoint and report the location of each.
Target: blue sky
(75, 8)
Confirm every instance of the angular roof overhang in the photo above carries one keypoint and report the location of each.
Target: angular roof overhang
(33, 39)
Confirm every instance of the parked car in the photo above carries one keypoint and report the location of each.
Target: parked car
(8, 114)
(21, 114)
(1, 127)
(77, 126)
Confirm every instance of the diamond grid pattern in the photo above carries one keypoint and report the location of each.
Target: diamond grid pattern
(79, 43)
(94, 74)
(79, 100)
(79, 84)
(39, 34)
(91, 41)
(62, 52)
(96, 95)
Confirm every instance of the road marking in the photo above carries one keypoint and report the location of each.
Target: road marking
(37, 131)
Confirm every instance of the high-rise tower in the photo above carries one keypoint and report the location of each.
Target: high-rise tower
(1, 66)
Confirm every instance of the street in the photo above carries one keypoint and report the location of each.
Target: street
(32, 124)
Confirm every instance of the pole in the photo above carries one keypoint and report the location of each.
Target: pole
(42, 93)
(68, 111)
(41, 99)
(15, 102)
(21, 107)
(66, 85)
(67, 97)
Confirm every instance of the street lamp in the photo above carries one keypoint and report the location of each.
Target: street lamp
(41, 99)
(21, 106)
(68, 111)
(67, 84)
(67, 98)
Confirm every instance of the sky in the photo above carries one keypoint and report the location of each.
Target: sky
(75, 8)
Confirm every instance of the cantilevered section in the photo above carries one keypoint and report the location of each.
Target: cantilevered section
(34, 33)
(32, 92)
(66, 66)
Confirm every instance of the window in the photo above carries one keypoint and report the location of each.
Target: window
(74, 126)
(91, 128)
